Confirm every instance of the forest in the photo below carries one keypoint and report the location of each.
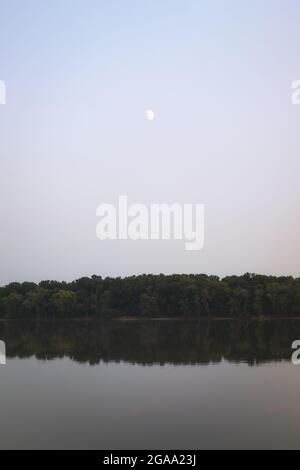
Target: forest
(168, 296)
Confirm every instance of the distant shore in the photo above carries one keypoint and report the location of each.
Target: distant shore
(128, 319)
(261, 318)
(157, 297)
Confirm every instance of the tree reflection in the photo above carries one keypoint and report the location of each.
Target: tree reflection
(153, 342)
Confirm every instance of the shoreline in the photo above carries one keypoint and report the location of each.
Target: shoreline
(128, 319)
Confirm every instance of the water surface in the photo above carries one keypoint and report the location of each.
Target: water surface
(151, 384)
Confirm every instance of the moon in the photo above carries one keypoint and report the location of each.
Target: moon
(150, 115)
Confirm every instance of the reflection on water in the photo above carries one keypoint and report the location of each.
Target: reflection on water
(202, 388)
(153, 342)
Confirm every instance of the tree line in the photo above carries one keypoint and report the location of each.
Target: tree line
(178, 295)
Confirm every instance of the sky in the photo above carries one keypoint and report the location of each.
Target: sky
(79, 77)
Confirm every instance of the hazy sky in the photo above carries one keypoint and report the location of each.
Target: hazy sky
(73, 134)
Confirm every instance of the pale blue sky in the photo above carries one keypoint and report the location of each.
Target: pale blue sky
(79, 77)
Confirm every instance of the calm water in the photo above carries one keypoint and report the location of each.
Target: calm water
(218, 384)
